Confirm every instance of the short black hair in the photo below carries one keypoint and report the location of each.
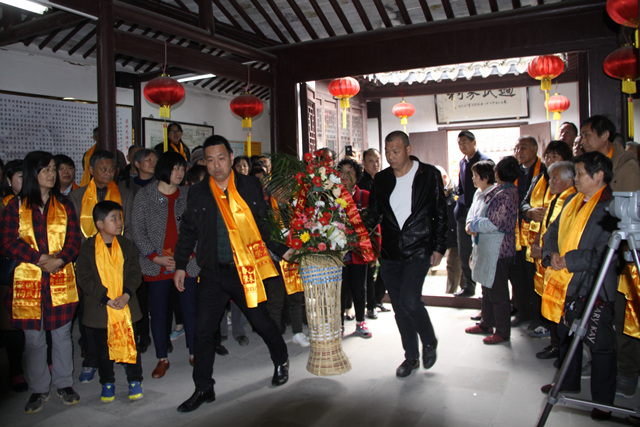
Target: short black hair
(368, 151)
(571, 125)
(102, 209)
(594, 162)
(140, 155)
(63, 159)
(485, 170)
(101, 155)
(468, 134)
(174, 124)
(560, 148)
(238, 159)
(258, 168)
(166, 163)
(214, 140)
(96, 131)
(531, 139)
(508, 169)
(8, 171)
(355, 165)
(196, 174)
(601, 124)
(398, 134)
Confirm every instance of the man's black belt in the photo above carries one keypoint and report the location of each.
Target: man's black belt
(226, 265)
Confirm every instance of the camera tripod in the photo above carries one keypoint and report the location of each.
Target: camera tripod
(623, 206)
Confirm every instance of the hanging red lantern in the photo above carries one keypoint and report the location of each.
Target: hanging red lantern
(622, 64)
(545, 68)
(403, 110)
(343, 89)
(165, 92)
(557, 104)
(624, 12)
(247, 106)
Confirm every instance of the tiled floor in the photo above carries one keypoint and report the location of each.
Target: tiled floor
(472, 384)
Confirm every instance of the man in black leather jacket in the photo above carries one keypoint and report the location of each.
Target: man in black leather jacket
(408, 199)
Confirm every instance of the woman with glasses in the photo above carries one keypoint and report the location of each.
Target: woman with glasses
(174, 131)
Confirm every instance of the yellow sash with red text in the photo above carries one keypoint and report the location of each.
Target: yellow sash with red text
(364, 243)
(290, 273)
(120, 339)
(86, 175)
(629, 285)
(538, 279)
(573, 220)
(250, 254)
(540, 198)
(89, 201)
(27, 279)
(522, 227)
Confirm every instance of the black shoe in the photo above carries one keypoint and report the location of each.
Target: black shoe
(169, 347)
(349, 316)
(143, 344)
(243, 340)
(221, 350)
(429, 355)
(280, 374)
(600, 415)
(546, 389)
(197, 398)
(465, 293)
(405, 369)
(549, 352)
(477, 317)
(383, 309)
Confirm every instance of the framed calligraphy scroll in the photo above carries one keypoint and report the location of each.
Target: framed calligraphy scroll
(474, 106)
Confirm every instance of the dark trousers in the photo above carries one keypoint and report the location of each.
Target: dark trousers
(97, 339)
(496, 307)
(628, 347)
(276, 294)
(464, 253)
(91, 357)
(371, 288)
(603, 368)
(143, 300)
(404, 281)
(159, 297)
(354, 281)
(13, 340)
(524, 294)
(175, 309)
(212, 298)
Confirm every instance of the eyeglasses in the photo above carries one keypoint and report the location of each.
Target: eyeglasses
(175, 131)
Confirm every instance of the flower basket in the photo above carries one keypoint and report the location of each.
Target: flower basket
(322, 280)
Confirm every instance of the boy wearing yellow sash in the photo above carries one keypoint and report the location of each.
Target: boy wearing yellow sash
(574, 247)
(109, 274)
(225, 220)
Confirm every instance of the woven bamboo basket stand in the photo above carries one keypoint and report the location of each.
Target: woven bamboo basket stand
(322, 280)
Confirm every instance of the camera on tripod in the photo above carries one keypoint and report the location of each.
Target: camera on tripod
(626, 207)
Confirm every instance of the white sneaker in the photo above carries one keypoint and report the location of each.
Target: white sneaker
(301, 339)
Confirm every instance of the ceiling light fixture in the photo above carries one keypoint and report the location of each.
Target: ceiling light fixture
(26, 5)
(198, 77)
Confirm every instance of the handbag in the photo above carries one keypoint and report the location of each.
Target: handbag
(600, 335)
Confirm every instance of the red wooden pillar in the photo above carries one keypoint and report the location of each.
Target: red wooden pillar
(106, 78)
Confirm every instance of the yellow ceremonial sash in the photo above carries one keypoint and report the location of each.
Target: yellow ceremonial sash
(540, 198)
(610, 153)
(522, 227)
(7, 199)
(573, 220)
(291, 277)
(538, 279)
(89, 201)
(250, 254)
(28, 277)
(86, 175)
(179, 149)
(120, 339)
(629, 285)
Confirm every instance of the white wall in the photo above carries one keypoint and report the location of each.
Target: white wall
(42, 75)
(424, 119)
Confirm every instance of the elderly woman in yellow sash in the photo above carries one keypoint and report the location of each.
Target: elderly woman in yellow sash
(40, 230)
(109, 274)
(574, 247)
(532, 210)
(561, 176)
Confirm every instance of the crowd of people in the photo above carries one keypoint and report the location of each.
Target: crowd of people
(180, 237)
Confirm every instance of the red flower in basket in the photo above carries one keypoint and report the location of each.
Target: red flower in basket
(322, 247)
(308, 157)
(310, 168)
(299, 177)
(296, 243)
(317, 181)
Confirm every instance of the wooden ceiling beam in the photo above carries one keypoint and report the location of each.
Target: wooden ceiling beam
(448, 10)
(403, 12)
(383, 13)
(267, 18)
(471, 6)
(425, 9)
(205, 16)
(68, 37)
(39, 27)
(284, 21)
(493, 4)
(154, 51)
(82, 42)
(47, 39)
(363, 15)
(247, 18)
(342, 17)
(303, 19)
(323, 18)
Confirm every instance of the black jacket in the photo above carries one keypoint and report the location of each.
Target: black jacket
(200, 219)
(425, 231)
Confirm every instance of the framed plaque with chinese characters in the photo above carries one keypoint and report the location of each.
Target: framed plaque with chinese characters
(474, 106)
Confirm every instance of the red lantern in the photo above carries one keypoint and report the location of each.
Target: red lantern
(545, 68)
(165, 92)
(247, 106)
(403, 110)
(624, 12)
(621, 64)
(343, 89)
(557, 104)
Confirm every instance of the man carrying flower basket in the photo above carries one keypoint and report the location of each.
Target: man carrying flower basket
(408, 199)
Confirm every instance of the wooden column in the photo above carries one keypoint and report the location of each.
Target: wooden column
(106, 78)
(605, 93)
(284, 114)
